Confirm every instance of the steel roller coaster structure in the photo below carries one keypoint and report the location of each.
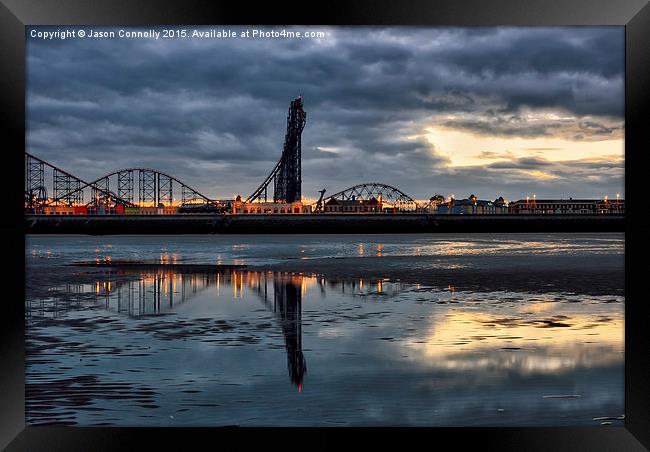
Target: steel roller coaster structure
(138, 187)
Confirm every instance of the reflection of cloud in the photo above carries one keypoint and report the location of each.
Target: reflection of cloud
(525, 342)
(538, 307)
(527, 362)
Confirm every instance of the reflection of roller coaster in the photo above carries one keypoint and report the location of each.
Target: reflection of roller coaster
(153, 292)
(137, 293)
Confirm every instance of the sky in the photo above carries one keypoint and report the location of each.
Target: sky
(489, 111)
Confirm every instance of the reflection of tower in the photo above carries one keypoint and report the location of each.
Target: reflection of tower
(153, 291)
(287, 305)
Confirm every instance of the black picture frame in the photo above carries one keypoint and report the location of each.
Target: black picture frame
(633, 14)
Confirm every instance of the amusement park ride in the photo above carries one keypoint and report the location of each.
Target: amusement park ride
(140, 187)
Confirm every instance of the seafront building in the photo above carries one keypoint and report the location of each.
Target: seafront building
(437, 205)
(472, 206)
(262, 207)
(567, 206)
(372, 205)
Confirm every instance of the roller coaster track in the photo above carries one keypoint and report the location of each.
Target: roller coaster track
(157, 174)
(57, 172)
(262, 189)
(377, 189)
(153, 186)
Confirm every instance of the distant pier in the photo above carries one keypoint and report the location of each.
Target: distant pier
(320, 224)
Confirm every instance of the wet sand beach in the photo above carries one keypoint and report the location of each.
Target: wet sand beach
(393, 330)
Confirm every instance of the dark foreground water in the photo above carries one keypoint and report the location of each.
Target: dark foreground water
(494, 330)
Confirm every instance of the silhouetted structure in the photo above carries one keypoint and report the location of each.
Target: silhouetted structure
(383, 193)
(287, 176)
(287, 305)
(128, 187)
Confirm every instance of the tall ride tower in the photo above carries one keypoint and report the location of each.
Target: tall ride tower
(288, 183)
(286, 175)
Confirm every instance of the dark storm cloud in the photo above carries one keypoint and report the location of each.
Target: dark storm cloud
(494, 155)
(213, 112)
(597, 51)
(526, 163)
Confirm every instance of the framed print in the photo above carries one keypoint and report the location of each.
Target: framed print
(366, 219)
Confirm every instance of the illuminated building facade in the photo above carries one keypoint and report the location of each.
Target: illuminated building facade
(472, 206)
(240, 207)
(567, 206)
(58, 210)
(372, 205)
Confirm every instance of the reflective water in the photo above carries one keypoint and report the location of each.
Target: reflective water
(379, 330)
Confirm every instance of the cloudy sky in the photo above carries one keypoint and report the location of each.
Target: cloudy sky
(491, 111)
